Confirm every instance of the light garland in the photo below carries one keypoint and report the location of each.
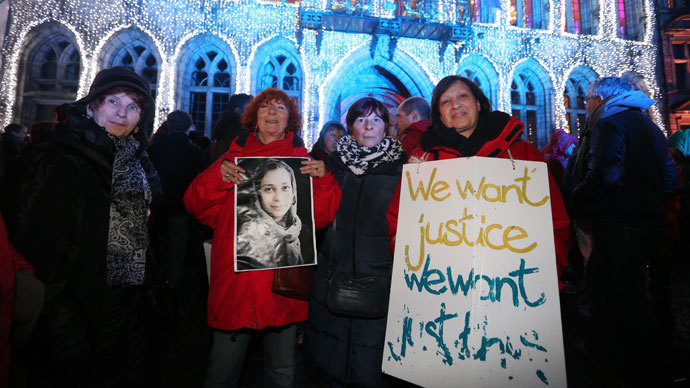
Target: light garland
(246, 25)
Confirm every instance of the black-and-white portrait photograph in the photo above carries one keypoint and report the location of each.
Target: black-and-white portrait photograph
(274, 218)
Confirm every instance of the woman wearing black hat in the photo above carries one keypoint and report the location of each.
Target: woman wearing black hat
(82, 212)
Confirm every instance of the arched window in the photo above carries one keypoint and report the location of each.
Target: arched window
(55, 66)
(478, 79)
(51, 78)
(574, 102)
(581, 16)
(282, 71)
(629, 14)
(529, 13)
(528, 104)
(137, 56)
(209, 87)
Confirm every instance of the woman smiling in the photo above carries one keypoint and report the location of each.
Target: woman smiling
(241, 304)
(83, 210)
(463, 125)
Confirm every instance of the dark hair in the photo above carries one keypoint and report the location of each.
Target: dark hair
(333, 124)
(138, 98)
(238, 102)
(41, 131)
(227, 127)
(364, 107)
(197, 137)
(250, 116)
(258, 176)
(179, 121)
(418, 104)
(445, 84)
(14, 128)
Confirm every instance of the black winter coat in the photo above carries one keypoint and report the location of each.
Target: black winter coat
(351, 350)
(178, 161)
(62, 208)
(627, 171)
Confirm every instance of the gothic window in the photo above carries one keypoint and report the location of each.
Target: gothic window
(280, 70)
(209, 87)
(581, 16)
(55, 67)
(629, 15)
(574, 102)
(51, 78)
(529, 13)
(137, 56)
(477, 79)
(529, 106)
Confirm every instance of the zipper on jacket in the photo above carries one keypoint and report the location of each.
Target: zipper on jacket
(354, 273)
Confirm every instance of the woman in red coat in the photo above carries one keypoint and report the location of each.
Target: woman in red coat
(462, 124)
(241, 305)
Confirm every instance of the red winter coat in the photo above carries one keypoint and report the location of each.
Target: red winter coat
(498, 147)
(10, 262)
(410, 136)
(245, 300)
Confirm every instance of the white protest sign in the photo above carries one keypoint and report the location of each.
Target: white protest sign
(474, 293)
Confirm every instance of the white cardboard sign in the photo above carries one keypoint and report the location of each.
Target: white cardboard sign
(474, 293)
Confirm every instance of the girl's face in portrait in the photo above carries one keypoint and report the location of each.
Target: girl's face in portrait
(276, 193)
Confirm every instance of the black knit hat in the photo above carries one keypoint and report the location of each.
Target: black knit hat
(119, 76)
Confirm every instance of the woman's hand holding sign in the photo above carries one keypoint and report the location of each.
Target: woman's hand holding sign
(230, 172)
(315, 168)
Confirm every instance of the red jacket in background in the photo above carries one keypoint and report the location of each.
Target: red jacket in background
(10, 262)
(498, 147)
(245, 300)
(411, 135)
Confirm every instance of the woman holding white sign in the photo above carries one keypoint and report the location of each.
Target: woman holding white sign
(347, 311)
(462, 125)
(241, 305)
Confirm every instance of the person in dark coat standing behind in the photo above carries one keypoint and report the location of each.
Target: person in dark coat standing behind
(330, 135)
(81, 215)
(616, 184)
(176, 234)
(367, 166)
(228, 126)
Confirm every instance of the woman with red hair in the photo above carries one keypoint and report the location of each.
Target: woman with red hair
(241, 304)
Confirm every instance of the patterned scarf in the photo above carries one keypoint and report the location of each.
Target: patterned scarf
(127, 234)
(361, 159)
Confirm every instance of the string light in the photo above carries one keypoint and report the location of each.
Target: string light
(245, 26)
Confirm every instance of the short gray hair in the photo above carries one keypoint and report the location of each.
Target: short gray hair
(418, 104)
(609, 86)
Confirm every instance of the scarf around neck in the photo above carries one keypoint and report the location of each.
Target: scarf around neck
(362, 159)
(127, 233)
(489, 126)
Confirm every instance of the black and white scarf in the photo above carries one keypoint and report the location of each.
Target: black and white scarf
(127, 233)
(361, 159)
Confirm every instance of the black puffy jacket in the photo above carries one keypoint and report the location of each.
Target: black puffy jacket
(351, 350)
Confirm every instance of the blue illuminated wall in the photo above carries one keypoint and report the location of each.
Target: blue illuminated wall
(198, 52)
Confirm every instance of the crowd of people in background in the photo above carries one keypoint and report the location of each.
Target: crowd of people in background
(117, 239)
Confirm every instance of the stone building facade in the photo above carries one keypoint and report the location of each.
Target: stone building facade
(533, 58)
